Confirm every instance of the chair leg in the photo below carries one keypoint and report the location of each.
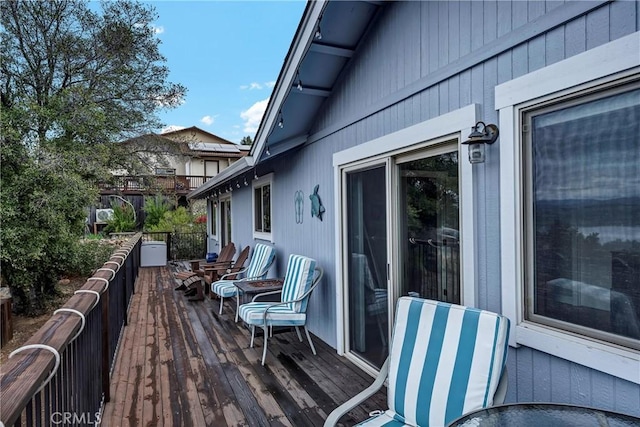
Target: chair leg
(309, 338)
(299, 334)
(221, 301)
(264, 350)
(253, 332)
(237, 307)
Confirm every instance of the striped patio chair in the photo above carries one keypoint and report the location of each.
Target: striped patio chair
(259, 265)
(301, 278)
(446, 360)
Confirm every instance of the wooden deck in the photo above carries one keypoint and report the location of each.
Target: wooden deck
(180, 363)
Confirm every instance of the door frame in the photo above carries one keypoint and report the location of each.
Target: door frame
(454, 125)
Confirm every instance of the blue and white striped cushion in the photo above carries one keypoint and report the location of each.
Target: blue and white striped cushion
(297, 280)
(225, 288)
(262, 257)
(253, 313)
(385, 419)
(458, 369)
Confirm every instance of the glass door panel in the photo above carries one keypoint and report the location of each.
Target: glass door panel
(366, 202)
(429, 223)
(225, 222)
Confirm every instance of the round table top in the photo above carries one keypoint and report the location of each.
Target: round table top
(544, 414)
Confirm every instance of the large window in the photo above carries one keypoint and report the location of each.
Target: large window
(582, 220)
(570, 208)
(262, 208)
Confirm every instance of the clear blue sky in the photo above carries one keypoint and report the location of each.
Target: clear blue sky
(228, 54)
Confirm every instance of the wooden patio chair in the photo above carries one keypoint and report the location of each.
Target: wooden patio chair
(446, 360)
(259, 265)
(301, 278)
(225, 258)
(213, 273)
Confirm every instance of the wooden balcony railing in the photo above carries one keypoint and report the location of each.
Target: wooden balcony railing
(65, 367)
(153, 183)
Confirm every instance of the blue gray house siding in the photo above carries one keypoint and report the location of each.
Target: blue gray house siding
(418, 61)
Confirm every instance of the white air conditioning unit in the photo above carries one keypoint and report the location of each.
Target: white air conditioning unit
(103, 215)
(165, 171)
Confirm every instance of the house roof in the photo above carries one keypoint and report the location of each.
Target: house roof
(191, 132)
(311, 71)
(205, 144)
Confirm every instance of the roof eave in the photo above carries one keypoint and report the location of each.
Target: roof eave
(302, 40)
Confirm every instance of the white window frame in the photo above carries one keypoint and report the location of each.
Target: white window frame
(261, 182)
(598, 66)
(453, 124)
(212, 218)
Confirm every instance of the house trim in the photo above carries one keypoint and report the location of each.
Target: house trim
(454, 124)
(546, 22)
(260, 182)
(608, 62)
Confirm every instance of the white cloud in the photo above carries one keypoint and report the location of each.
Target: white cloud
(157, 30)
(207, 120)
(251, 86)
(253, 115)
(272, 83)
(171, 128)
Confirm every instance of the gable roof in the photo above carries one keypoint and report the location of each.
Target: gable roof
(192, 131)
(310, 72)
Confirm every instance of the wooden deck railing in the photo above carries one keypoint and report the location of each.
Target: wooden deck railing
(153, 183)
(62, 374)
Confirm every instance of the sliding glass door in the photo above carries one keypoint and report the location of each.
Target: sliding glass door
(366, 258)
(402, 229)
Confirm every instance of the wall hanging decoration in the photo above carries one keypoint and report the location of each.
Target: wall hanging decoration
(298, 200)
(316, 204)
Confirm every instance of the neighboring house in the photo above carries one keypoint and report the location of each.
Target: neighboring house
(201, 156)
(370, 112)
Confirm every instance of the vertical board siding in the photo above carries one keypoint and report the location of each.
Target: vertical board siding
(408, 42)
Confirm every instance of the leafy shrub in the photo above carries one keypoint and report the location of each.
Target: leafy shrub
(123, 219)
(88, 256)
(154, 207)
(43, 217)
(178, 220)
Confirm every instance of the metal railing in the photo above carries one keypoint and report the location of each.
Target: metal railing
(62, 374)
(152, 183)
(181, 246)
(435, 271)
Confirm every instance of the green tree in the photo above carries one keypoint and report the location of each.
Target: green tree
(73, 82)
(246, 140)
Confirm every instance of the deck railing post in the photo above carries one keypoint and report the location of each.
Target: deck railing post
(106, 363)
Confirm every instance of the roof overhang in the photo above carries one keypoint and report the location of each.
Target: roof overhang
(311, 70)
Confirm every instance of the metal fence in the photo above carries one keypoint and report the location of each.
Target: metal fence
(62, 375)
(181, 246)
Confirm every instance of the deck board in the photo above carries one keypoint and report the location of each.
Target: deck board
(180, 363)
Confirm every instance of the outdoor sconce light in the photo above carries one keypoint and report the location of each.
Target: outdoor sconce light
(477, 140)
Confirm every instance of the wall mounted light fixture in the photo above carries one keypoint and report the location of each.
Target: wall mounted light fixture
(481, 134)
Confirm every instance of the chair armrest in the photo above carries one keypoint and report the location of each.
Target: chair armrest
(216, 265)
(316, 280)
(236, 272)
(356, 400)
